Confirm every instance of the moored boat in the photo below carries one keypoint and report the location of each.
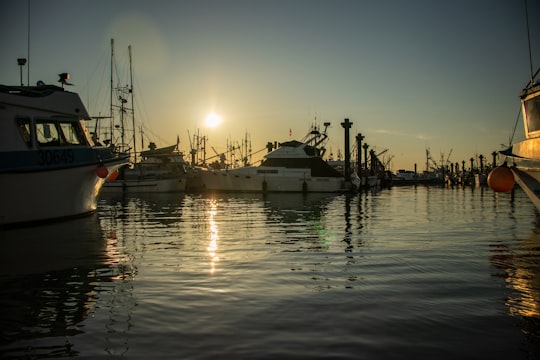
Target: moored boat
(49, 166)
(294, 166)
(522, 164)
(523, 157)
(160, 170)
(154, 170)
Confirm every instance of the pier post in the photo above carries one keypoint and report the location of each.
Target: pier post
(365, 147)
(346, 124)
(359, 139)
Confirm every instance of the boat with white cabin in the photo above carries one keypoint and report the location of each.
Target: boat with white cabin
(159, 170)
(50, 167)
(294, 166)
(522, 163)
(153, 170)
(523, 158)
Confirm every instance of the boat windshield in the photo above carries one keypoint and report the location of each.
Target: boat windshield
(531, 111)
(59, 133)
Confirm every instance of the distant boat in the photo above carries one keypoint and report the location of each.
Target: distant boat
(294, 166)
(159, 170)
(405, 175)
(49, 166)
(154, 170)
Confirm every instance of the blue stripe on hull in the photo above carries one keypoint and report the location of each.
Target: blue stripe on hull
(53, 159)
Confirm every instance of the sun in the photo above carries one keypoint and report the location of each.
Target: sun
(212, 120)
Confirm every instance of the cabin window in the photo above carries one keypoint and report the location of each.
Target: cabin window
(72, 133)
(24, 129)
(47, 133)
(267, 171)
(532, 112)
(59, 133)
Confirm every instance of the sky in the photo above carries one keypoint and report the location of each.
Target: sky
(410, 75)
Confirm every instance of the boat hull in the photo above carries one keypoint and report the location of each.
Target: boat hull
(524, 161)
(144, 186)
(41, 195)
(280, 180)
(529, 181)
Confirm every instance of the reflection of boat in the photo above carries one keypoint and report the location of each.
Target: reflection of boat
(160, 170)
(164, 208)
(289, 208)
(25, 250)
(294, 166)
(520, 263)
(49, 285)
(49, 168)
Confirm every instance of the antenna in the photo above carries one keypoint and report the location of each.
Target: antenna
(529, 43)
(28, 48)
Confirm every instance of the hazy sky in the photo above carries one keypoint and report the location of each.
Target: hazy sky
(410, 75)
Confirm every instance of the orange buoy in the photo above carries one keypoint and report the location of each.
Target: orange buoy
(102, 171)
(501, 179)
(113, 175)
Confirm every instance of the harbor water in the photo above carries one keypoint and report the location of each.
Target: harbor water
(408, 272)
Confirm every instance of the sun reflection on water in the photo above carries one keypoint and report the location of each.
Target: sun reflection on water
(214, 237)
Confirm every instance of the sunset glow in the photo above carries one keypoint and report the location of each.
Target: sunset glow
(212, 120)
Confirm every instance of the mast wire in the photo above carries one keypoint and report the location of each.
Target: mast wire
(529, 42)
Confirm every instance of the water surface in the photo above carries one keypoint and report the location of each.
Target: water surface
(407, 272)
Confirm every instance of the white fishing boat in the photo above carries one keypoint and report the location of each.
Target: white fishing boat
(154, 170)
(523, 158)
(522, 163)
(49, 166)
(159, 170)
(294, 166)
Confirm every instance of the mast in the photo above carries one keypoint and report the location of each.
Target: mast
(529, 42)
(132, 107)
(28, 48)
(142, 137)
(111, 91)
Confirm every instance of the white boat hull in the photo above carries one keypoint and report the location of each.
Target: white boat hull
(284, 180)
(524, 161)
(49, 166)
(50, 194)
(135, 186)
(529, 181)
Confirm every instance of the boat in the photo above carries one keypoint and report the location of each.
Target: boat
(50, 167)
(404, 177)
(522, 162)
(159, 170)
(153, 170)
(293, 166)
(523, 158)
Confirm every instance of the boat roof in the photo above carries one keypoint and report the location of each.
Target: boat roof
(160, 151)
(48, 98)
